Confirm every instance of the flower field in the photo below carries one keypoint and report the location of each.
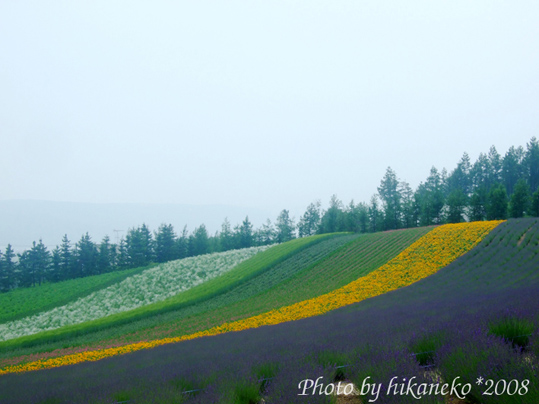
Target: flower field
(150, 286)
(436, 249)
(329, 261)
(242, 273)
(375, 337)
(24, 302)
(354, 259)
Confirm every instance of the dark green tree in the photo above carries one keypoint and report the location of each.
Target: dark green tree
(9, 268)
(480, 172)
(226, 237)
(520, 200)
(66, 270)
(3, 277)
(531, 163)
(182, 244)
(351, 217)
(246, 234)
(497, 203)
(214, 244)
(333, 219)
(494, 174)
(310, 221)
(459, 179)
(266, 234)
(149, 243)
(284, 227)
(106, 256)
(534, 204)
(122, 256)
(391, 200)
(34, 265)
(512, 168)
(140, 246)
(363, 217)
(56, 265)
(375, 215)
(407, 205)
(430, 199)
(85, 257)
(478, 205)
(199, 242)
(165, 243)
(456, 203)
(25, 275)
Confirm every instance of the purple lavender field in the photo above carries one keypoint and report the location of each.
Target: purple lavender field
(478, 318)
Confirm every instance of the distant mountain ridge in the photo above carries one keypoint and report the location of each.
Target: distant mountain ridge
(25, 221)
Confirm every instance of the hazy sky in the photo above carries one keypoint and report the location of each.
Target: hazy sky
(269, 104)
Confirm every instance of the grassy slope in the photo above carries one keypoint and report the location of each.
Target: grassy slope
(350, 262)
(335, 268)
(23, 302)
(499, 262)
(506, 258)
(244, 272)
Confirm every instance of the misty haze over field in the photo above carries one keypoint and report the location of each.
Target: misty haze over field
(229, 104)
(25, 221)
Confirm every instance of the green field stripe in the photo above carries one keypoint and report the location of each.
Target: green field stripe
(24, 302)
(362, 256)
(243, 272)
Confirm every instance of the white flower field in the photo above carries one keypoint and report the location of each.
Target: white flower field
(152, 285)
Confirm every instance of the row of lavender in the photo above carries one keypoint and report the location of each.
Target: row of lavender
(395, 347)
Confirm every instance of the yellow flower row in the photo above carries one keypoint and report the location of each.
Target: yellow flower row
(433, 251)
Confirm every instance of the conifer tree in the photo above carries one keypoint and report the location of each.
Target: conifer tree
(497, 203)
(56, 261)
(122, 260)
(198, 241)
(531, 163)
(165, 243)
(105, 260)
(85, 257)
(66, 270)
(285, 227)
(310, 221)
(512, 167)
(375, 215)
(9, 269)
(182, 244)
(333, 219)
(520, 200)
(226, 237)
(266, 234)
(456, 202)
(478, 205)
(534, 204)
(391, 200)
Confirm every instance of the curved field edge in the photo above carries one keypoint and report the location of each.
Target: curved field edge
(346, 264)
(350, 335)
(506, 259)
(153, 285)
(336, 268)
(243, 272)
(423, 258)
(24, 302)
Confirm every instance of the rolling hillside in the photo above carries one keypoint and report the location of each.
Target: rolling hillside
(497, 276)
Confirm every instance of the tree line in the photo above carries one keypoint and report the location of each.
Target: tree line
(493, 187)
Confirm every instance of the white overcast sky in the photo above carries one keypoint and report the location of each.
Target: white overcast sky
(269, 104)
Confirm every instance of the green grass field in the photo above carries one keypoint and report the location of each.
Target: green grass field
(242, 273)
(282, 275)
(24, 302)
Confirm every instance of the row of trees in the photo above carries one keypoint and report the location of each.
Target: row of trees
(493, 187)
(139, 248)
